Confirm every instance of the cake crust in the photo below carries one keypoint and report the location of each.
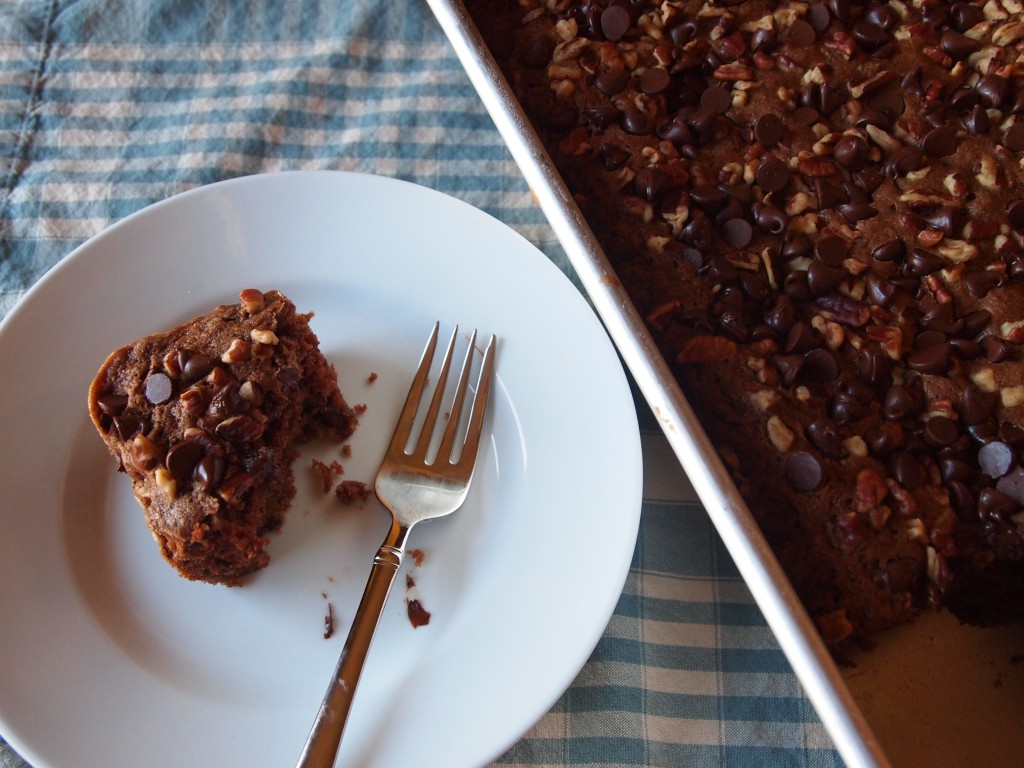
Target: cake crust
(205, 420)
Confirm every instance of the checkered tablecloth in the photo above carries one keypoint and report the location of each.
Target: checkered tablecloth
(107, 106)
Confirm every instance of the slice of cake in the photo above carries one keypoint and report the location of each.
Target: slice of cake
(205, 420)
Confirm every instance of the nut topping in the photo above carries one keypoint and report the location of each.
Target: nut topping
(265, 337)
(252, 300)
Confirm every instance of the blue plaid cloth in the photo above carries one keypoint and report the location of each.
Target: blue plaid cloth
(107, 106)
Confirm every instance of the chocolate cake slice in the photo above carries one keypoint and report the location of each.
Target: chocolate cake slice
(205, 420)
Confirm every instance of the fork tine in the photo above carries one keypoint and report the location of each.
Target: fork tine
(448, 441)
(412, 401)
(427, 432)
(476, 416)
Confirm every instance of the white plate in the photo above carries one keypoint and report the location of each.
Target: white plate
(108, 658)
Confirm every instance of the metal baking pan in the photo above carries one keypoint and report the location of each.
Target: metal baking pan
(932, 693)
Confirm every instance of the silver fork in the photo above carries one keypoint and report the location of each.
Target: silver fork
(414, 488)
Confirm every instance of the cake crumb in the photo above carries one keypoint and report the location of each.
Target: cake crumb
(327, 472)
(417, 556)
(372, 377)
(328, 619)
(351, 491)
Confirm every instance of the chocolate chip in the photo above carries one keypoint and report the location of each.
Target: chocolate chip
(768, 129)
(782, 314)
(818, 17)
(802, 34)
(965, 349)
(788, 367)
(1015, 213)
(1012, 485)
(716, 99)
(966, 15)
(996, 458)
(846, 409)
(850, 152)
(708, 199)
(932, 360)
(975, 405)
(820, 366)
(921, 262)
(803, 471)
(601, 117)
(889, 102)
(955, 470)
(823, 279)
(993, 504)
(771, 219)
(912, 82)
(773, 175)
(943, 319)
(854, 212)
(956, 45)
(902, 161)
(655, 80)
(612, 156)
(891, 250)
(737, 232)
(980, 281)
(940, 430)
(801, 338)
(873, 366)
(676, 131)
(831, 250)
(682, 31)
(995, 349)
(1011, 433)
(195, 366)
(650, 183)
(929, 338)
(158, 388)
(1013, 139)
(182, 459)
(977, 123)
(795, 286)
(939, 142)
(963, 98)
(906, 470)
(111, 404)
(961, 498)
(127, 424)
(983, 433)
(611, 81)
(634, 121)
(869, 35)
(991, 90)
(880, 443)
(879, 291)
(209, 472)
(899, 403)
(615, 22)
(975, 322)
(796, 244)
(826, 438)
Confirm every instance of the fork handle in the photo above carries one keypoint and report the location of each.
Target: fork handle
(322, 744)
